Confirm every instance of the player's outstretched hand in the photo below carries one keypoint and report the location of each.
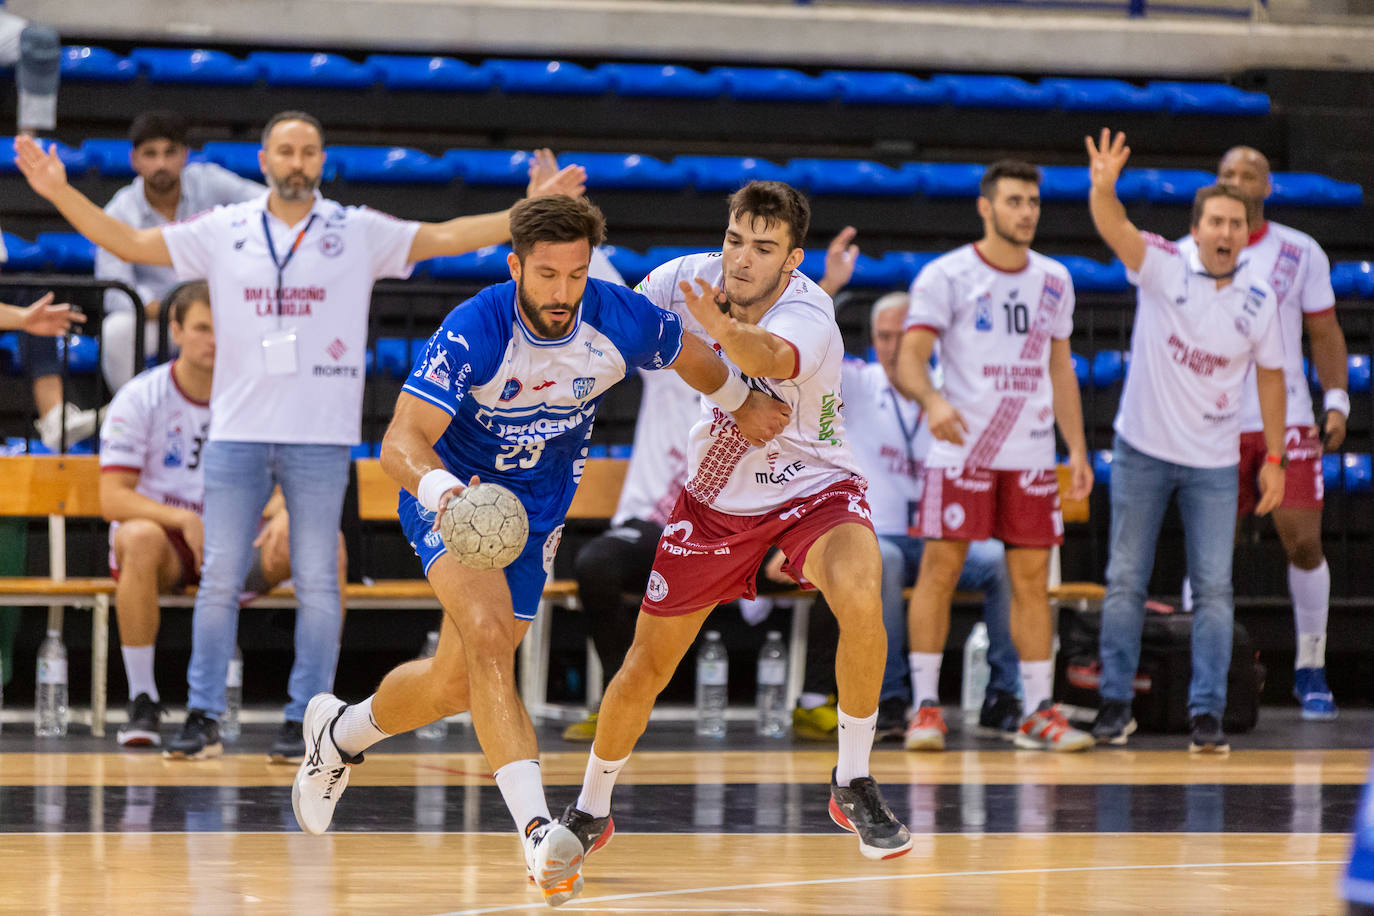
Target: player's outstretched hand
(546, 178)
(448, 496)
(946, 423)
(1270, 487)
(709, 306)
(761, 418)
(840, 257)
(43, 319)
(1106, 159)
(1080, 477)
(45, 172)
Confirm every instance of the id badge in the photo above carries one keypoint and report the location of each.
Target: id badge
(279, 352)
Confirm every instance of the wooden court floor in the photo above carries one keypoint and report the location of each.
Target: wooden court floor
(1143, 829)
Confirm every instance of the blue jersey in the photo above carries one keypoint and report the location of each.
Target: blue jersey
(522, 406)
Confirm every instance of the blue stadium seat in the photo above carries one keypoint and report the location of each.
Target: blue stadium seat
(23, 255)
(361, 450)
(729, 173)
(1359, 371)
(1343, 279)
(855, 176)
(627, 171)
(983, 91)
(393, 356)
(389, 165)
(1104, 95)
(98, 65)
(487, 265)
(947, 179)
(547, 77)
(868, 272)
(1102, 467)
(631, 264)
(1357, 477)
(1175, 185)
(189, 65)
(1110, 367)
(1134, 184)
(1094, 276)
(370, 361)
(620, 450)
(597, 451)
(490, 166)
(1064, 182)
(1331, 472)
(866, 87)
(67, 252)
(76, 161)
(776, 84)
(662, 81)
(908, 264)
(302, 68)
(82, 353)
(109, 157)
(430, 74)
(238, 157)
(1303, 188)
(10, 360)
(1210, 98)
(1082, 369)
(1364, 279)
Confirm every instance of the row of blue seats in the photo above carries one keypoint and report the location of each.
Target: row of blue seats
(632, 171)
(551, 77)
(1352, 472)
(68, 252)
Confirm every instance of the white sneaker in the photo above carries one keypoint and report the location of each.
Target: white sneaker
(323, 775)
(553, 857)
(81, 424)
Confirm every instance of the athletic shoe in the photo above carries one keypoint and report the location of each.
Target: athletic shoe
(145, 716)
(581, 731)
(197, 740)
(81, 424)
(593, 832)
(891, 719)
(289, 746)
(553, 858)
(1113, 723)
(1207, 735)
(1000, 716)
(926, 731)
(820, 723)
(860, 809)
(1309, 686)
(1046, 729)
(323, 774)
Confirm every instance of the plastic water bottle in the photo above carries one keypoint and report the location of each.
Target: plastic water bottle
(769, 701)
(976, 673)
(713, 676)
(233, 698)
(51, 718)
(437, 729)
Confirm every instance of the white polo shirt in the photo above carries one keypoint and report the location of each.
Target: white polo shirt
(890, 441)
(326, 291)
(1191, 348)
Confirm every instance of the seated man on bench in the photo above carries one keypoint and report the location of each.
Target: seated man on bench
(151, 490)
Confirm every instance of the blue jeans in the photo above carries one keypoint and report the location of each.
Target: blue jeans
(1141, 489)
(985, 570)
(238, 480)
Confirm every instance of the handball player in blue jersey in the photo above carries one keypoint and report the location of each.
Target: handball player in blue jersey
(506, 391)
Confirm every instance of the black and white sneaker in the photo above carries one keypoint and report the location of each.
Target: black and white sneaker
(197, 740)
(860, 809)
(594, 832)
(289, 746)
(323, 774)
(145, 717)
(1114, 723)
(1207, 736)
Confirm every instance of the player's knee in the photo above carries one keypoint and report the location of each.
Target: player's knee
(1306, 553)
(138, 544)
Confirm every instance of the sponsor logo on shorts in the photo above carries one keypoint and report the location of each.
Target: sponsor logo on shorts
(682, 529)
(1036, 483)
(432, 540)
(859, 507)
(794, 512)
(973, 484)
(551, 547)
(954, 516)
(658, 587)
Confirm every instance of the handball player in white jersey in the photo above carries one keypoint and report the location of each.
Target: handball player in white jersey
(1002, 315)
(1298, 271)
(802, 491)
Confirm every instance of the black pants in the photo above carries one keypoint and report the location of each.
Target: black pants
(612, 571)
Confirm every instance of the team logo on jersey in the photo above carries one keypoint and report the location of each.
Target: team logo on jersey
(551, 547)
(437, 371)
(172, 457)
(511, 389)
(331, 246)
(953, 516)
(658, 587)
(982, 313)
(582, 386)
(1242, 326)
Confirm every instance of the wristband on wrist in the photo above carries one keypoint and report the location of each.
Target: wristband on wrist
(433, 485)
(730, 396)
(1280, 460)
(1337, 399)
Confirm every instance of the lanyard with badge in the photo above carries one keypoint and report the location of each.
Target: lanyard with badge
(279, 346)
(908, 438)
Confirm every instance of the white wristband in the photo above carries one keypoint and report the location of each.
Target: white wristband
(433, 485)
(1337, 399)
(730, 396)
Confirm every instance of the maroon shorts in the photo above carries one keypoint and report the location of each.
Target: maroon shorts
(1303, 486)
(1019, 508)
(705, 557)
(190, 573)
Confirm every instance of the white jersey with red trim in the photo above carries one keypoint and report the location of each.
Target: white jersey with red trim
(724, 471)
(890, 441)
(1299, 273)
(994, 330)
(153, 429)
(1191, 347)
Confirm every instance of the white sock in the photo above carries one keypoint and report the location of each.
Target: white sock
(522, 786)
(856, 740)
(1037, 684)
(356, 730)
(925, 675)
(597, 783)
(1311, 591)
(811, 700)
(138, 668)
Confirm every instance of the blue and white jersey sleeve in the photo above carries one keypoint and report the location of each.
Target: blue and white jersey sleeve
(646, 335)
(465, 351)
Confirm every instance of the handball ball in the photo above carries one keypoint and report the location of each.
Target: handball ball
(485, 527)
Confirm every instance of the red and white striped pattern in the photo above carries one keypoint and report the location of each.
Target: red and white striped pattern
(995, 433)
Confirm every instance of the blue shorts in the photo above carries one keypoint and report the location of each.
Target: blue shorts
(525, 577)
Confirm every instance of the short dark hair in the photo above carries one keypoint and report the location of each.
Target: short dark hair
(554, 218)
(181, 297)
(158, 125)
(292, 116)
(774, 202)
(1006, 168)
(1218, 190)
